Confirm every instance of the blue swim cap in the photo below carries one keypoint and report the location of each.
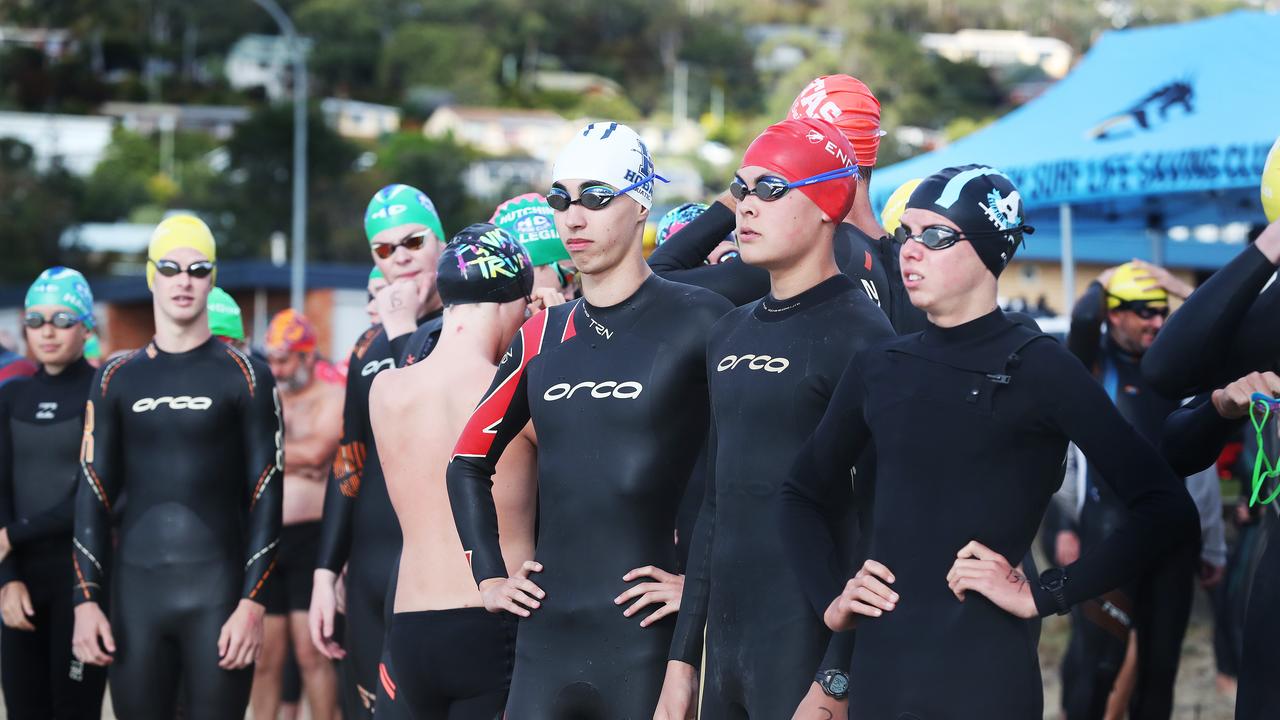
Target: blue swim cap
(66, 287)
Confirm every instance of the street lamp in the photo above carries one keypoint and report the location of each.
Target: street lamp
(297, 279)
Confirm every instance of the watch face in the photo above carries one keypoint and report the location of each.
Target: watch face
(1051, 579)
(839, 683)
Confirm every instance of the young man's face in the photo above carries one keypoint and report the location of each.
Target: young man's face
(938, 280)
(775, 233)
(53, 345)
(599, 240)
(403, 263)
(182, 298)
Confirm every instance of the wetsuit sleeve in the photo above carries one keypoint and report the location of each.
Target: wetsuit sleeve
(1195, 434)
(500, 416)
(1085, 337)
(263, 431)
(820, 480)
(399, 345)
(680, 259)
(8, 568)
(686, 644)
(99, 488)
(1222, 332)
(689, 247)
(344, 476)
(1161, 514)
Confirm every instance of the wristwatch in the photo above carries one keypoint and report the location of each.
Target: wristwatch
(1054, 581)
(835, 683)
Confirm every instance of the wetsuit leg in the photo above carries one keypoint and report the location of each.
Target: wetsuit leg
(24, 665)
(207, 599)
(363, 642)
(722, 686)
(453, 664)
(1164, 607)
(145, 671)
(1259, 694)
(1099, 640)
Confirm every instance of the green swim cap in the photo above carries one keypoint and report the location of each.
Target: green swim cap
(93, 348)
(66, 287)
(376, 274)
(396, 205)
(224, 315)
(529, 219)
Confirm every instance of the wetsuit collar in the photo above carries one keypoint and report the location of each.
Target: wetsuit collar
(68, 374)
(199, 348)
(984, 326)
(771, 309)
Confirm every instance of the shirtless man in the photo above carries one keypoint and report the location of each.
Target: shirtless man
(451, 657)
(311, 437)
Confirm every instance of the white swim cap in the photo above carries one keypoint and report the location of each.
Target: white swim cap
(609, 152)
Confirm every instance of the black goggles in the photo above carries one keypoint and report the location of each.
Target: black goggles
(60, 320)
(169, 268)
(596, 196)
(771, 187)
(1144, 310)
(941, 237)
(411, 243)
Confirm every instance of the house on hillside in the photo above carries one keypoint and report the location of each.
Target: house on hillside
(263, 61)
(77, 142)
(360, 120)
(502, 132)
(220, 121)
(1002, 48)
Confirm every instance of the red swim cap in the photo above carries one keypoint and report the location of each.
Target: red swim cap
(799, 149)
(290, 331)
(847, 103)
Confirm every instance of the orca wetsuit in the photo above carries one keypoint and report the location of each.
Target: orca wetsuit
(41, 420)
(872, 263)
(1225, 330)
(359, 526)
(970, 426)
(195, 441)
(1158, 604)
(618, 397)
(772, 367)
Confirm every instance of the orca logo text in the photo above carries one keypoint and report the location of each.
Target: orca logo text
(766, 363)
(599, 390)
(181, 402)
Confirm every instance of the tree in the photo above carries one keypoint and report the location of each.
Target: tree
(35, 208)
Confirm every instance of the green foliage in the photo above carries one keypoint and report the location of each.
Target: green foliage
(35, 208)
(457, 58)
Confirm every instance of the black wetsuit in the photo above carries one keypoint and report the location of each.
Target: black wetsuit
(618, 397)
(359, 527)
(773, 366)
(1157, 605)
(1225, 330)
(41, 421)
(970, 426)
(870, 262)
(195, 441)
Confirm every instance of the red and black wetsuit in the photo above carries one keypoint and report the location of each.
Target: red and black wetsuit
(41, 420)
(618, 397)
(194, 439)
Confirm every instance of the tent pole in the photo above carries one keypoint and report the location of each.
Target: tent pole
(1068, 259)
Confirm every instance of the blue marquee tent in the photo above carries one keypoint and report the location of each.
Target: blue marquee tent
(1155, 129)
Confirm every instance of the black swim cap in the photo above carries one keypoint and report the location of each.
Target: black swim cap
(983, 203)
(483, 263)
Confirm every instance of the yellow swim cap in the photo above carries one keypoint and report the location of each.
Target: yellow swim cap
(1132, 284)
(1271, 184)
(891, 215)
(180, 231)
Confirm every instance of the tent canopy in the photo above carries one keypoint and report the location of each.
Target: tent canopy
(1155, 127)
